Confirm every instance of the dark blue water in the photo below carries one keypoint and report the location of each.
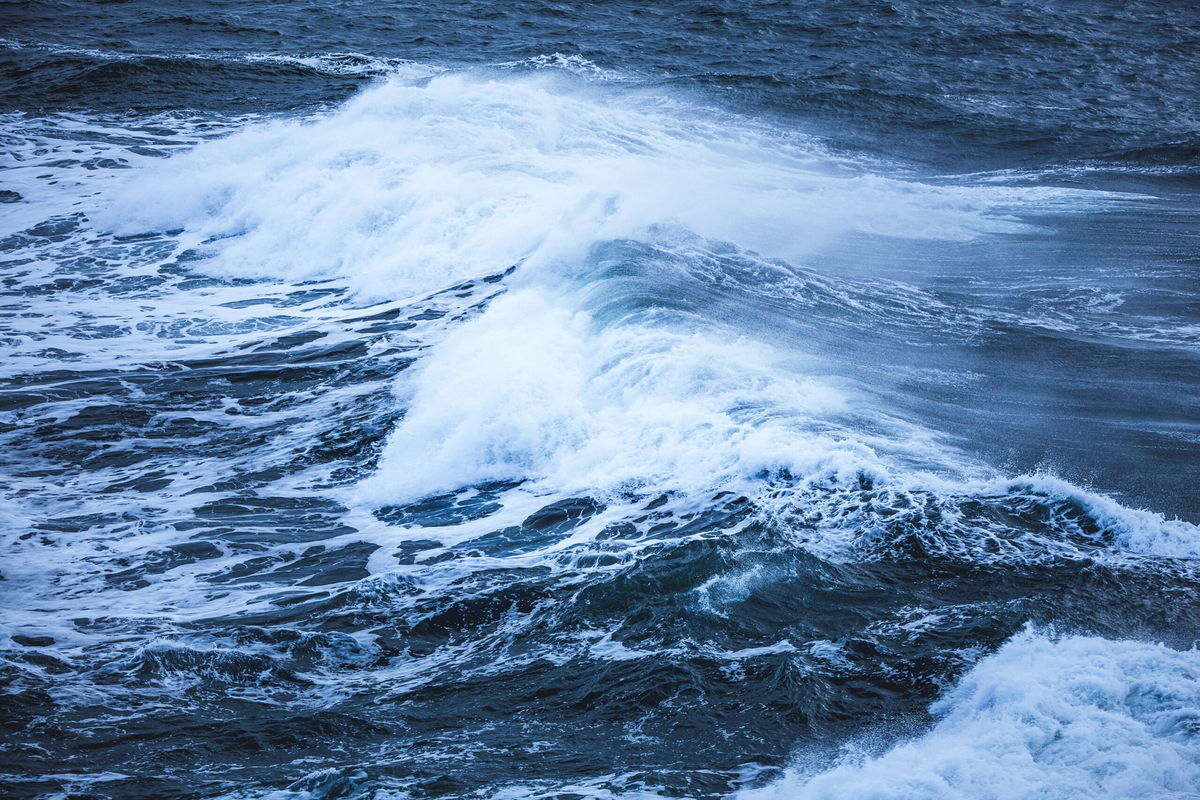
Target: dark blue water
(553, 400)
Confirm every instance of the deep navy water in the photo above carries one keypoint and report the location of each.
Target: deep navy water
(565, 400)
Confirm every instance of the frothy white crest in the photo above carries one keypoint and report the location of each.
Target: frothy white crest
(1074, 719)
(1134, 530)
(412, 185)
(534, 390)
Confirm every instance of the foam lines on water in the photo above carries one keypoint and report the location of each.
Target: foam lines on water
(142, 447)
(355, 64)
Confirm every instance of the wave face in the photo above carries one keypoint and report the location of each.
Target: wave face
(470, 419)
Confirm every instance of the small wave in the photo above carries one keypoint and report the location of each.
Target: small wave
(570, 63)
(334, 63)
(1029, 520)
(1071, 717)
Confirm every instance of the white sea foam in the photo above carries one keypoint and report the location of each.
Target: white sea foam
(1075, 718)
(534, 390)
(416, 183)
(540, 389)
(1134, 530)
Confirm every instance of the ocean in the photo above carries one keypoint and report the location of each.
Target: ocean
(600, 401)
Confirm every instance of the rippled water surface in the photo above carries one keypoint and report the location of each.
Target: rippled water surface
(554, 400)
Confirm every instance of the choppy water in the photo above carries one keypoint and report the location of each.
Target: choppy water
(549, 400)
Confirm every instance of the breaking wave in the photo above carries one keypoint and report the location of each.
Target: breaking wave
(1071, 717)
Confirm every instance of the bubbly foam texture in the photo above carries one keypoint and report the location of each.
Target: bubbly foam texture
(541, 389)
(533, 390)
(1134, 530)
(578, 381)
(1072, 718)
(417, 183)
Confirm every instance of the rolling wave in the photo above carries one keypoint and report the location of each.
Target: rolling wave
(520, 396)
